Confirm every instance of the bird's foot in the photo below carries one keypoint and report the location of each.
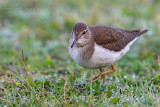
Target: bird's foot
(96, 77)
(103, 74)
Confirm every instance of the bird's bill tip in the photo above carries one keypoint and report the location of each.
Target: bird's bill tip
(73, 43)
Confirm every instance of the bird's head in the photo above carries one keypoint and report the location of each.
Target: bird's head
(80, 35)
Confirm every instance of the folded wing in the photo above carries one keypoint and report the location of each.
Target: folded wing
(113, 38)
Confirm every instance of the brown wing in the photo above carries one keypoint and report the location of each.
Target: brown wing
(113, 38)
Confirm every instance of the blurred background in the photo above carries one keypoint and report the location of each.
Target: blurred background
(42, 30)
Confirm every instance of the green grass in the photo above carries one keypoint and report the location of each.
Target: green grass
(45, 74)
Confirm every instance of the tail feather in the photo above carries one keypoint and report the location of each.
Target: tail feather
(143, 32)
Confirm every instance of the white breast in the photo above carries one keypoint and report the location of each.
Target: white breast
(104, 57)
(101, 57)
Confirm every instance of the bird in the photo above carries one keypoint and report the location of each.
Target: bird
(98, 46)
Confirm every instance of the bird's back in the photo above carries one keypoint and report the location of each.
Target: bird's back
(113, 38)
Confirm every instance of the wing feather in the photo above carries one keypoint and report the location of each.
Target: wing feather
(112, 38)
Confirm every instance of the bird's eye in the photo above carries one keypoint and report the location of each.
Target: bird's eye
(84, 32)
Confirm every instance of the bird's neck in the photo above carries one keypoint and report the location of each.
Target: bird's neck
(87, 50)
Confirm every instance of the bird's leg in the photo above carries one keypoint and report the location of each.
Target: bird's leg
(95, 77)
(107, 72)
(102, 74)
(113, 69)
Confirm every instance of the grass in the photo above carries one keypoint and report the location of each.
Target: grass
(43, 74)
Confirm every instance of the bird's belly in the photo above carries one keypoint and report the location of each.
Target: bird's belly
(103, 57)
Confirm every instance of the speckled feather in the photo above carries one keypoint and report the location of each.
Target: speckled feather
(113, 38)
(100, 46)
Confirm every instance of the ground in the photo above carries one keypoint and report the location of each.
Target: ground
(37, 70)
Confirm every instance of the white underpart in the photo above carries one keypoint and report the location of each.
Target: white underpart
(104, 57)
(101, 57)
(75, 52)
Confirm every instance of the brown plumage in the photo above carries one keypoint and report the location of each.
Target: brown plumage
(113, 38)
(79, 27)
(100, 46)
